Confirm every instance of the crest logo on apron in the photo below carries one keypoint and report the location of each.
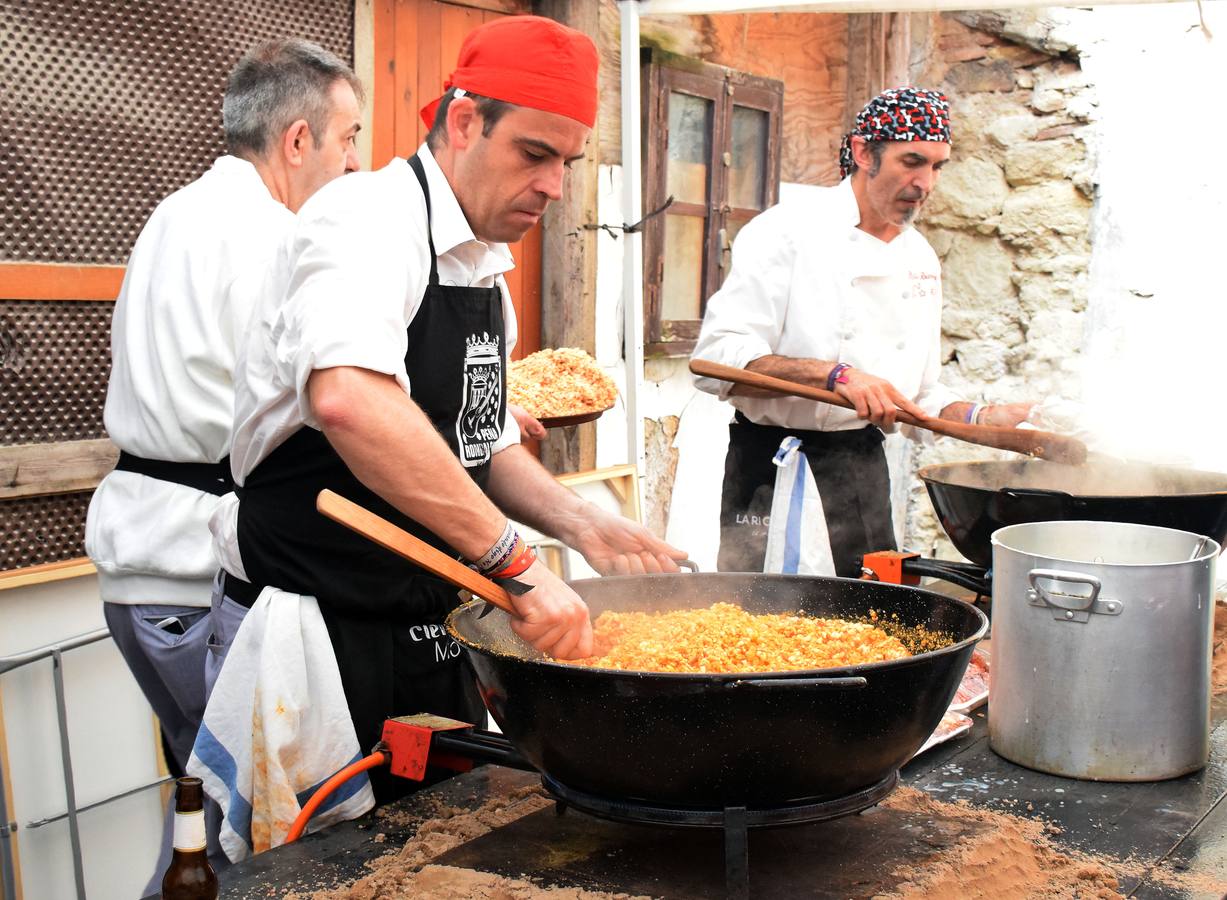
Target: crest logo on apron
(479, 424)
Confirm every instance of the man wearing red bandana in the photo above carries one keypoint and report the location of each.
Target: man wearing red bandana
(834, 288)
(376, 368)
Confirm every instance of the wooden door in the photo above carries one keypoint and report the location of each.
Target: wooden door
(416, 45)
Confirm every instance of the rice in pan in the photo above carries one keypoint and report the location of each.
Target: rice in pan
(725, 638)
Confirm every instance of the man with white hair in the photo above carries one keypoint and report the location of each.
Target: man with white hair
(290, 115)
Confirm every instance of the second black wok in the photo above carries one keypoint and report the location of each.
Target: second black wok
(974, 499)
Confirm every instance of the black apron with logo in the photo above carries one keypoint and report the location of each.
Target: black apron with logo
(851, 475)
(384, 614)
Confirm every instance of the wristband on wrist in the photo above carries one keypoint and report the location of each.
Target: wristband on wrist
(520, 562)
(838, 375)
(500, 553)
(974, 413)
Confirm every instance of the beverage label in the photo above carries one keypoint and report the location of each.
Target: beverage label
(190, 831)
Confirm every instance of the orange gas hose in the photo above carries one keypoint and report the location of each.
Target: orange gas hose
(300, 824)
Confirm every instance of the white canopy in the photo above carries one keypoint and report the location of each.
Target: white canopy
(701, 7)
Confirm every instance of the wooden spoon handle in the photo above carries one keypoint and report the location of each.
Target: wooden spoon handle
(390, 537)
(1042, 444)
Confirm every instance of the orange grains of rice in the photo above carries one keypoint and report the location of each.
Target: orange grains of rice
(565, 382)
(726, 638)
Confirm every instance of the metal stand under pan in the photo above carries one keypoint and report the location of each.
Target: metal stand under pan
(733, 820)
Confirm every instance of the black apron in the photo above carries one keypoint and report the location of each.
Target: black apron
(851, 475)
(384, 614)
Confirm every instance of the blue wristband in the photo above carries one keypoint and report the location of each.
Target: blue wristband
(836, 375)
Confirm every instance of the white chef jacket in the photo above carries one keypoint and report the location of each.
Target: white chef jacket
(170, 394)
(807, 283)
(345, 287)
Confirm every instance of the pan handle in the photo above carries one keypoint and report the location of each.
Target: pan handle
(1037, 493)
(687, 564)
(857, 681)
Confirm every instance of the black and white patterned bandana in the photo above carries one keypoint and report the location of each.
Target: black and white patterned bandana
(900, 114)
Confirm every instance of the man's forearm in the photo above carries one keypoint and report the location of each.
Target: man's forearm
(522, 487)
(392, 447)
(803, 371)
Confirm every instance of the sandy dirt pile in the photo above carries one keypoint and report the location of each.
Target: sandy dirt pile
(449, 883)
(1008, 857)
(409, 873)
(1011, 857)
(1001, 857)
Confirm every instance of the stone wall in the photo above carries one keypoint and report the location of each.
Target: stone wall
(1010, 220)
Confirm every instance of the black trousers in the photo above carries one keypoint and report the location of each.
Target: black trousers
(849, 469)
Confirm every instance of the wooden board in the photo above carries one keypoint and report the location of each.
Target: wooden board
(56, 571)
(35, 281)
(31, 470)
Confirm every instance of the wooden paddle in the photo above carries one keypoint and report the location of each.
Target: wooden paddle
(399, 541)
(1041, 444)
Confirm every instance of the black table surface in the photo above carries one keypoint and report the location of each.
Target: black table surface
(1181, 823)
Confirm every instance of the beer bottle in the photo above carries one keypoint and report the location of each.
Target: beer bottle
(190, 877)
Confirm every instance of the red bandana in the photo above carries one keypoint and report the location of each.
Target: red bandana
(528, 61)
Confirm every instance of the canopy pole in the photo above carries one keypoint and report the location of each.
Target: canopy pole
(632, 248)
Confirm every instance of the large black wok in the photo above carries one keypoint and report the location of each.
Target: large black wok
(709, 741)
(974, 499)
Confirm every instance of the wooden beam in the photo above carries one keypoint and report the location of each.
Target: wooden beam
(568, 259)
(39, 281)
(32, 470)
(47, 572)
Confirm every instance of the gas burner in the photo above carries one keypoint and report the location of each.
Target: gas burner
(733, 820)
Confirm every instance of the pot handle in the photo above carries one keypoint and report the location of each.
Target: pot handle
(687, 564)
(1072, 607)
(857, 681)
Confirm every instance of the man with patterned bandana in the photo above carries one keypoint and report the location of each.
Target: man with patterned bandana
(836, 289)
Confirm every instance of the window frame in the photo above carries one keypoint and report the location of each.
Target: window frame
(663, 74)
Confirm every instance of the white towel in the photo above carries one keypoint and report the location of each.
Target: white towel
(797, 539)
(276, 727)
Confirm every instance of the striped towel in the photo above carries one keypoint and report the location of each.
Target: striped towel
(276, 727)
(798, 542)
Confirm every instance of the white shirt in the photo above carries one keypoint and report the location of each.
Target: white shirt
(807, 283)
(343, 291)
(170, 395)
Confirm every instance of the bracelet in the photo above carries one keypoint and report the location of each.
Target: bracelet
(520, 562)
(837, 376)
(974, 413)
(500, 553)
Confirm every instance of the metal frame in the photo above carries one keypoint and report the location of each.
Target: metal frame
(9, 826)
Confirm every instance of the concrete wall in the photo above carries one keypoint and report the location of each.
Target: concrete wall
(111, 730)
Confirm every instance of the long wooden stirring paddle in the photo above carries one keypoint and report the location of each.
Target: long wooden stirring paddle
(401, 542)
(1042, 444)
